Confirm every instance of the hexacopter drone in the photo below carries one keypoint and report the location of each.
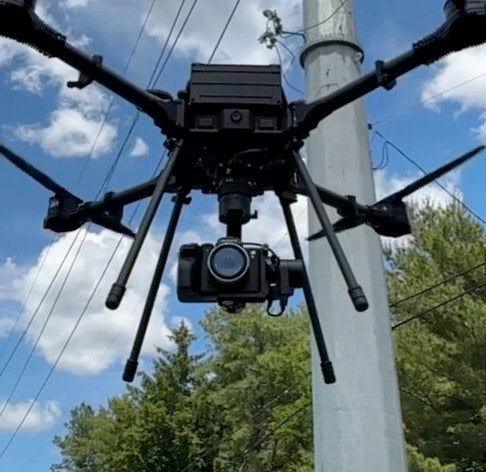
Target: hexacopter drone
(232, 133)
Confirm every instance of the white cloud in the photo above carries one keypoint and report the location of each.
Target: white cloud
(240, 43)
(71, 127)
(70, 133)
(100, 328)
(71, 4)
(140, 148)
(454, 70)
(41, 417)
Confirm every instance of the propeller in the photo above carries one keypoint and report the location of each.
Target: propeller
(388, 216)
(66, 212)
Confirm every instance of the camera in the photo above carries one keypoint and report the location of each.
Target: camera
(233, 273)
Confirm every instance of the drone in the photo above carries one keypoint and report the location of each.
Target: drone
(232, 133)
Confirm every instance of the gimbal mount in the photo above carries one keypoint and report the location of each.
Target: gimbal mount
(232, 133)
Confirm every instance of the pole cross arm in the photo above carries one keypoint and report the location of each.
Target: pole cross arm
(465, 27)
(18, 21)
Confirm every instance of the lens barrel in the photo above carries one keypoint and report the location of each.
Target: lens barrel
(228, 263)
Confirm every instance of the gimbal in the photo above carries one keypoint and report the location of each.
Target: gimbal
(232, 133)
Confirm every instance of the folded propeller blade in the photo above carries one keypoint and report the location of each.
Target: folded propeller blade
(351, 222)
(114, 225)
(35, 173)
(340, 225)
(426, 179)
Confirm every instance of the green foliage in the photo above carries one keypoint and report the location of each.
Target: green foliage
(419, 463)
(243, 406)
(442, 355)
(213, 413)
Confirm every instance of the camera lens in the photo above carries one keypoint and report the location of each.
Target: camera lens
(228, 262)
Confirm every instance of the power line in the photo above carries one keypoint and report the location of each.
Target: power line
(284, 73)
(330, 17)
(110, 105)
(225, 28)
(105, 183)
(438, 284)
(169, 54)
(440, 305)
(166, 43)
(44, 325)
(36, 311)
(24, 303)
(418, 166)
(255, 415)
(274, 430)
(430, 99)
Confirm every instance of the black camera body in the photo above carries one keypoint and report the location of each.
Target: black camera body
(234, 273)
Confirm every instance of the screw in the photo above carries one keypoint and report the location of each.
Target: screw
(236, 116)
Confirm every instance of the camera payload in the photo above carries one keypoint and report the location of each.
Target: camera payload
(233, 273)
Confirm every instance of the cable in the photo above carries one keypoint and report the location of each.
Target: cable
(255, 415)
(438, 284)
(36, 311)
(218, 42)
(330, 17)
(105, 183)
(429, 310)
(41, 332)
(284, 75)
(161, 55)
(110, 105)
(274, 430)
(430, 99)
(22, 308)
(169, 54)
(409, 159)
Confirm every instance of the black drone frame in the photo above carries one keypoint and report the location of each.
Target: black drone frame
(233, 134)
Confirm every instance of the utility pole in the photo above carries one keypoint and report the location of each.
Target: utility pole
(357, 421)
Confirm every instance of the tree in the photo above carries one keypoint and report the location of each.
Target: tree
(442, 354)
(244, 405)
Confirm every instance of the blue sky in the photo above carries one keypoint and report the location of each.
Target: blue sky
(55, 127)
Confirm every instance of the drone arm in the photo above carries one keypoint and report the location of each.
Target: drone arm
(344, 204)
(309, 115)
(113, 81)
(464, 27)
(124, 197)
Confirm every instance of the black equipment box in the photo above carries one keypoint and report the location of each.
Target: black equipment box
(236, 85)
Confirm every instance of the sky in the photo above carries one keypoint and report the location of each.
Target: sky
(433, 115)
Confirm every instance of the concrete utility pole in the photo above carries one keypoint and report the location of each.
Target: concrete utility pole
(357, 421)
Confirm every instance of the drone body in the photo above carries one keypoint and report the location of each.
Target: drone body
(232, 133)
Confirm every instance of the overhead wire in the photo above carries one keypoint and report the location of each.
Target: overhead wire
(284, 73)
(110, 105)
(430, 99)
(264, 409)
(223, 32)
(325, 20)
(24, 303)
(418, 166)
(276, 428)
(437, 285)
(440, 305)
(99, 281)
(105, 183)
